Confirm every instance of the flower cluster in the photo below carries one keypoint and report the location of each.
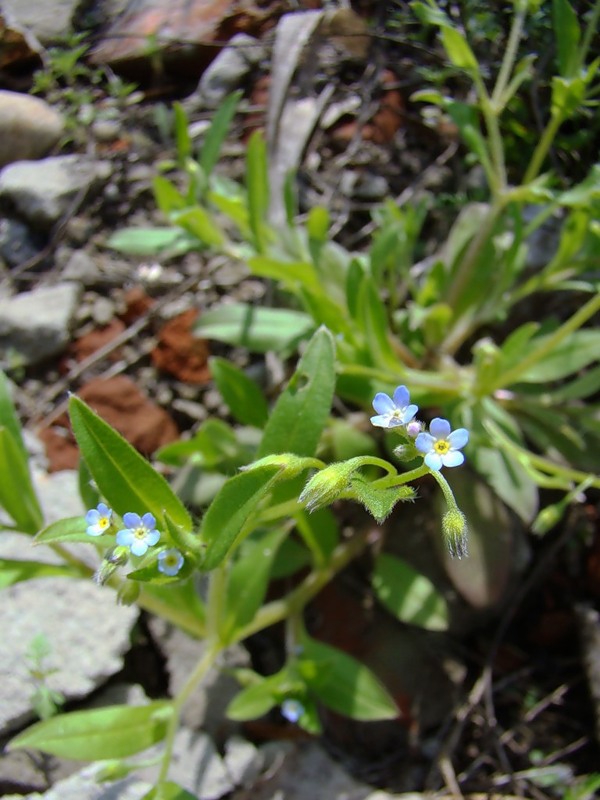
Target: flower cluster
(138, 534)
(440, 446)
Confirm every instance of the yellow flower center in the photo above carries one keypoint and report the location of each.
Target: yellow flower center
(140, 533)
(441, 447)
(103, 523)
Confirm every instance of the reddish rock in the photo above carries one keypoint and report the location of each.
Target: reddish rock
(179, 352)
(117, 400)
(91, 342)
(180, 37)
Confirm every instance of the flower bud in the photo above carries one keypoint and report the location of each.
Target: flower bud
(328, 484)
(454, 528)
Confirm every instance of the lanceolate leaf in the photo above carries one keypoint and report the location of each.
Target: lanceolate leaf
(344, 684)
(71, 529)
(111, 732)
(245, 400)
(227, 515)
(8, 416)
(410, 596)
(17, 571)
(17, 496)
(302, 410)
(125, 479)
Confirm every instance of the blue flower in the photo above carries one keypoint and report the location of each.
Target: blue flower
(98, 520)
(441, 446)
(139, 533)
(393, 411)
(292, 710)
(170, 562)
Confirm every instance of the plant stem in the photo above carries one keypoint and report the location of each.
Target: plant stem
(509, 58)
(543, 146)
(552, 341)
(279, 610)
(213, 648)
(590, 31)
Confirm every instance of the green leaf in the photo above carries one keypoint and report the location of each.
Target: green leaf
(245, 400)
(168, 197)
(567, 33)
(257, 183)
(125, 479)
(14, 571)
(88, 492)
(169, 791)
(252, 702)
(248, 579)
(215, 135)
(226, 517)
(458, 50)
(410, 596)
(302, 410)
(199, 223)
(111, 732)
(289, 273)
(8, 416)
(379, 500)
(344, 684)
(183, 140)
(258, 329)
(372, 319)
(213, 446)
(572, 354)
(17, 495)
(71, 529)
(151, 241)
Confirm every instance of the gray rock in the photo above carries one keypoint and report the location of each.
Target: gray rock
(42, 191)
(87, 632)
(81, 267)
(84, 786)
(227, 71)
(36, 325)
(196, 765)
(29, 127)
(17, 243)
(206, 706)
(49, 21)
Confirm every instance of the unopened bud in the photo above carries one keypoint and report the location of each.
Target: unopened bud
(328, 484)
(454, 528)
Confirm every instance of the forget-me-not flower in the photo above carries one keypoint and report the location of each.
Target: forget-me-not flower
(292, 709)
(98, 520)
(442, 445)
(139, 533)
(393, 411)
(170, 562)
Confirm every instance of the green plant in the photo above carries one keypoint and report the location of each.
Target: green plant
(273, 517)
(453, 330)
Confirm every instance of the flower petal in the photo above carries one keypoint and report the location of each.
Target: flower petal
(92, 517)
(148, 520)
(424, 442)
(454, 458)
(440, 428)
(152, 538)
(131, 519)
(381, 421)
(383, 403)
(104, 510)
(458, 438)
(125, 537)
(138, 547)
(433, 461)
(409, 413)
(401, 397)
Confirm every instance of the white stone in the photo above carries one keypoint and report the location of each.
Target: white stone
(29, 127)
